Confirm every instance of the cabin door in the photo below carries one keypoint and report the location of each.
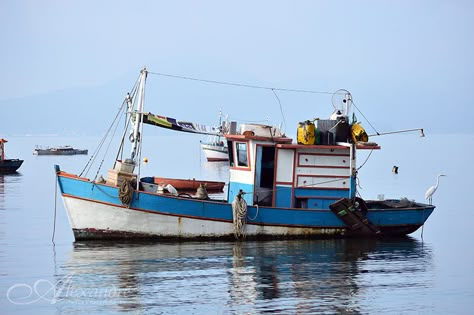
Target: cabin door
(264, 176)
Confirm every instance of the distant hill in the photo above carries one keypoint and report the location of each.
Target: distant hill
(89, 111)
(68, 112)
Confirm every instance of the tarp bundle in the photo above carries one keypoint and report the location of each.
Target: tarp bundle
(185, 126)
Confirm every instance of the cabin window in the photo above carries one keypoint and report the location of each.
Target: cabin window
(242, 159)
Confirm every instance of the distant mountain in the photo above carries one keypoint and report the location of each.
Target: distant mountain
(90, 111)
(69, 112)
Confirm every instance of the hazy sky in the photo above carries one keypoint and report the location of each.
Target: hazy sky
(407, 63)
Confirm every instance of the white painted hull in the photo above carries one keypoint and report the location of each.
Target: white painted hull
(86, 215)
(93, 220)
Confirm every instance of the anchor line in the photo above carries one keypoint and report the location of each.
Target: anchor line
(422, 223)
(256, 214)
(55, 207)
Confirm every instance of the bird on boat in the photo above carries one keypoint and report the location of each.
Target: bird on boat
(429, 193)
(171, 189)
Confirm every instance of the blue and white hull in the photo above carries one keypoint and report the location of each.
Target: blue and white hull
(95, 212)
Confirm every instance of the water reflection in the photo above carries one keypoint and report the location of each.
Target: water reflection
(335, 276)
(10, 184)
(218, 171)
(2, 215)
(2, 192)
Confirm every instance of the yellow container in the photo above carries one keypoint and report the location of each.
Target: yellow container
(305, 133)
(358, 133)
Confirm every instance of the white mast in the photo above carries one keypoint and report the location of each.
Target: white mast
(135, 136)
(348, 102)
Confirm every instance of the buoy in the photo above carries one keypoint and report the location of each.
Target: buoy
(145, 160)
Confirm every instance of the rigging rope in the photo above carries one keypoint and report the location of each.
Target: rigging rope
(273, 89)
(92, 159)
(281, 110)
(94, 155)
(365, 160)
(365, 117)
(239, 84)
(107, 149)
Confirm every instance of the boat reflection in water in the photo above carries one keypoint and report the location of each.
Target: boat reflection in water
(224, 277)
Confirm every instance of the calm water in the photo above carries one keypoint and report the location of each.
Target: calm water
(433, 274)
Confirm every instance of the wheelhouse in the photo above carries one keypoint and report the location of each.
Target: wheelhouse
(274, 172)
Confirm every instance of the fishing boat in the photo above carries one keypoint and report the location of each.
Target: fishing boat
(61, 150)
(276, 189)
(8, 165)
(215, 149)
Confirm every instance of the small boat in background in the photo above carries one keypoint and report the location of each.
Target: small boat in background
(62, 150)
(7, 165)
(215, 150)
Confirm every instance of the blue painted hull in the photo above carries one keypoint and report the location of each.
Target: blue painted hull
(95, 212)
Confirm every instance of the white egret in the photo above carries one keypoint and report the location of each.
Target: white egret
(429, 193)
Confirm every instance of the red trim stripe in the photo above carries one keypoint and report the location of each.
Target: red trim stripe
(323, 166)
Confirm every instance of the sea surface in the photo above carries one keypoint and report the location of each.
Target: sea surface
(429, 272)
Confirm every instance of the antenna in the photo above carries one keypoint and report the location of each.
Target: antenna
(342, 101)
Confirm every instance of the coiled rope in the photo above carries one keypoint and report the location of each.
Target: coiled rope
(126, 192)
(239, 215)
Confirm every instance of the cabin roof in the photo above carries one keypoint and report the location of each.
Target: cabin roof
(258, 138)
(370, 146)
